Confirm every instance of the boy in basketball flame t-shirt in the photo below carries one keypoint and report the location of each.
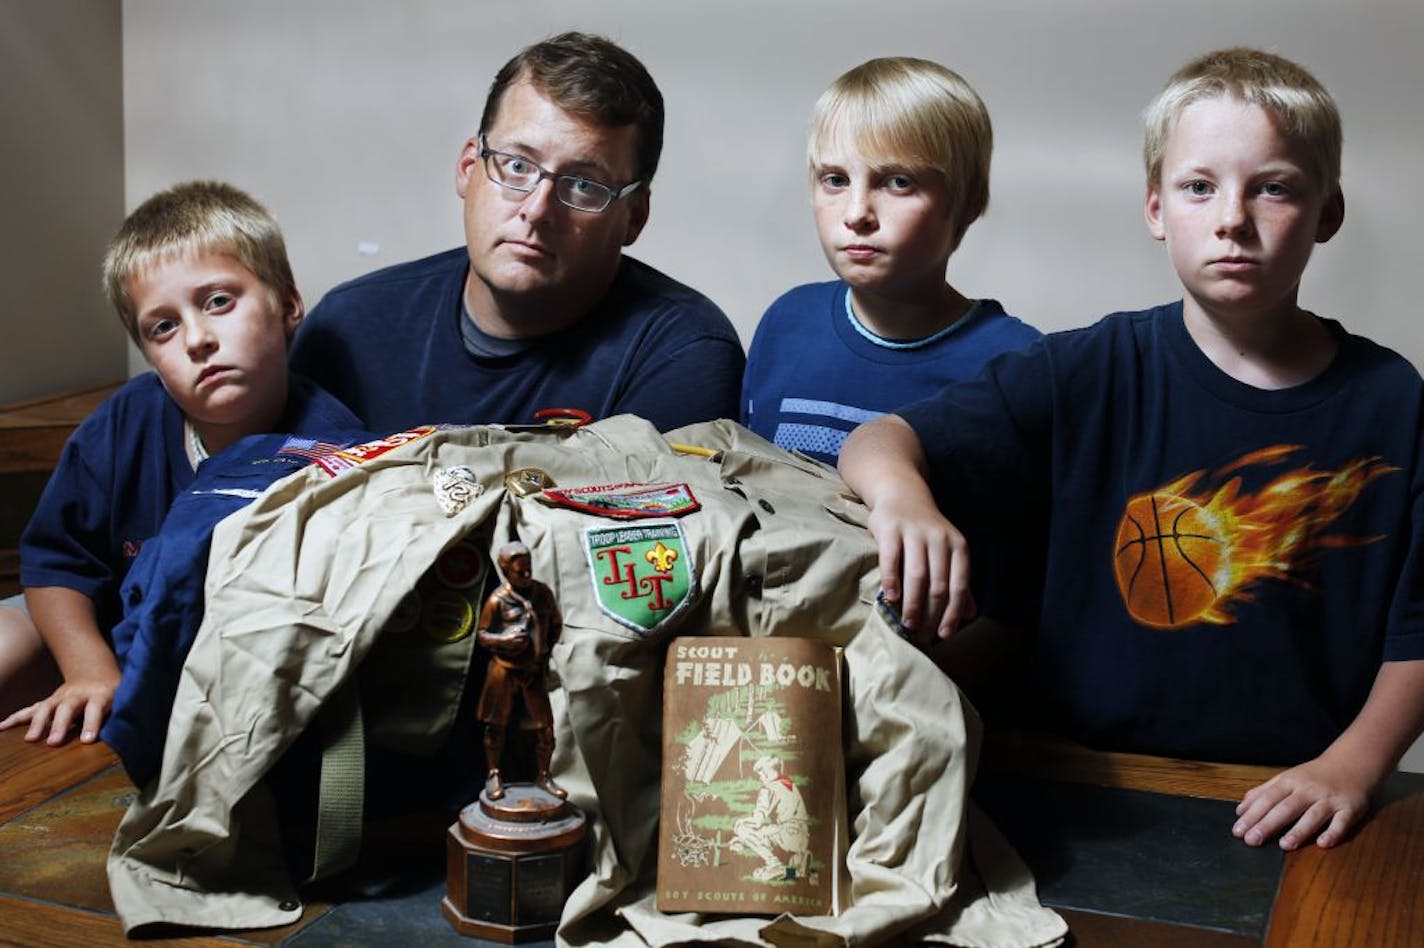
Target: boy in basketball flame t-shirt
(1223, 497)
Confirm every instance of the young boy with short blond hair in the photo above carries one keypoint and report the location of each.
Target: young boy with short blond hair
(899, 155)
(1226, 489)
(199, 277)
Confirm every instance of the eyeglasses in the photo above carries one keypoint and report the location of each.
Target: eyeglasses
(520, 174)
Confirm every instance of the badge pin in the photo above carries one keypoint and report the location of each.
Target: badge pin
(526, 481)
(455, 487)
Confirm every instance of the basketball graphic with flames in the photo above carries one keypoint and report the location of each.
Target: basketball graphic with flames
(1169, 560)
(1185, 555)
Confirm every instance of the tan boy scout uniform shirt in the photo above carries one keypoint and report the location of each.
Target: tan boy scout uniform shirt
(301, 583)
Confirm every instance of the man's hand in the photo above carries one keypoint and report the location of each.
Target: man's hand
(83, 704)
(1319, 801)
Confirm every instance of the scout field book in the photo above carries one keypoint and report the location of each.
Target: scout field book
(753, 777)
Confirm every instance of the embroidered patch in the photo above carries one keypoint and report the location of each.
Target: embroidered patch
(642, 574)
(627, 501)
(308, 448)
(455, 487)
(445, 603)
(348, 458)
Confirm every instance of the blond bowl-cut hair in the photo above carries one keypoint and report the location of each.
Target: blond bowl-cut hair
(192, 218)
(902, 110)
(1300, 106)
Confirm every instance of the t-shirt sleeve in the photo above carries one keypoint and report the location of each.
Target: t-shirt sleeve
(1404, 631)
(755, 374)
(313, 411)
(990, 437)
(66, 541)
(700, 380)
(987, 442)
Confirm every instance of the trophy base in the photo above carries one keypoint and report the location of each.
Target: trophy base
(511, 864)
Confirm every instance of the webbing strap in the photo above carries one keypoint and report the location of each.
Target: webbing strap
(342, 791)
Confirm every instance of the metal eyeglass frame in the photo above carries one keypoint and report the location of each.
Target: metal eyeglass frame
(613, 194)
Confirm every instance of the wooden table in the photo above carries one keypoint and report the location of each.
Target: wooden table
(59, 808)
(1084, 818)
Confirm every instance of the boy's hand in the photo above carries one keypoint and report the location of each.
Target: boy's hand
(1326, 796)
(82, 704)
(1323, 798)
(924, 559)
(924, 565)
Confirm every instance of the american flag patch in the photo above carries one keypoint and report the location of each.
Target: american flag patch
(309, 448)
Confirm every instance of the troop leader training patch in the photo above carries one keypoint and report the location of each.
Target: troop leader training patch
(626, 501)
(642, 573)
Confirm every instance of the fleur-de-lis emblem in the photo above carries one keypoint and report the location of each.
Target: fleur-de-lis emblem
(661, 557)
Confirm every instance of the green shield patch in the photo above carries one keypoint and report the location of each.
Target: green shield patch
(642, 575)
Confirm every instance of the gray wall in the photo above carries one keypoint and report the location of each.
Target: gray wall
(346, 116)
(62, 168)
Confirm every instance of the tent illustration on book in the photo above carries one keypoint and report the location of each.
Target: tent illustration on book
(743, 805)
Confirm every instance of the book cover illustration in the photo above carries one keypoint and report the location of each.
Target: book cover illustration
(753, 784)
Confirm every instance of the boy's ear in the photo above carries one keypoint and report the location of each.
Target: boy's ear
(972, 212)
(1152, 211)
(1332, 215)
(640, 204)
(467, 163)
(292, 312)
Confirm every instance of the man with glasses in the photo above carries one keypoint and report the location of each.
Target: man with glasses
(540, 310)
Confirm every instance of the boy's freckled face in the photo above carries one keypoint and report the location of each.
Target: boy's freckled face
(217, 337)
(885, 228)
(1238, 209)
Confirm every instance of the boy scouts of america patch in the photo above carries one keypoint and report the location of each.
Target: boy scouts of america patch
(627, 501)
(347, 458)
(642, 573)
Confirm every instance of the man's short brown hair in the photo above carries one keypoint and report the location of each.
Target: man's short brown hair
(594, 78)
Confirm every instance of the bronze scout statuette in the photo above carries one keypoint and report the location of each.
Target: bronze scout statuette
(514, 854)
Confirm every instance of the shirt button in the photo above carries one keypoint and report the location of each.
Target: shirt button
(291, 905)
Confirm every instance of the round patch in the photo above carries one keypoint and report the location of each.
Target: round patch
(447, 616)
(461, 566)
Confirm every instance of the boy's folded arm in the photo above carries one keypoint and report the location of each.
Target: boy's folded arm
(66, 621)
(1323, 798)
(924, 559)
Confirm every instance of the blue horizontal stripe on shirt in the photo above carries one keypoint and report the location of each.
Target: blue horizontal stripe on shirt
(808, 406)
(812, 439)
